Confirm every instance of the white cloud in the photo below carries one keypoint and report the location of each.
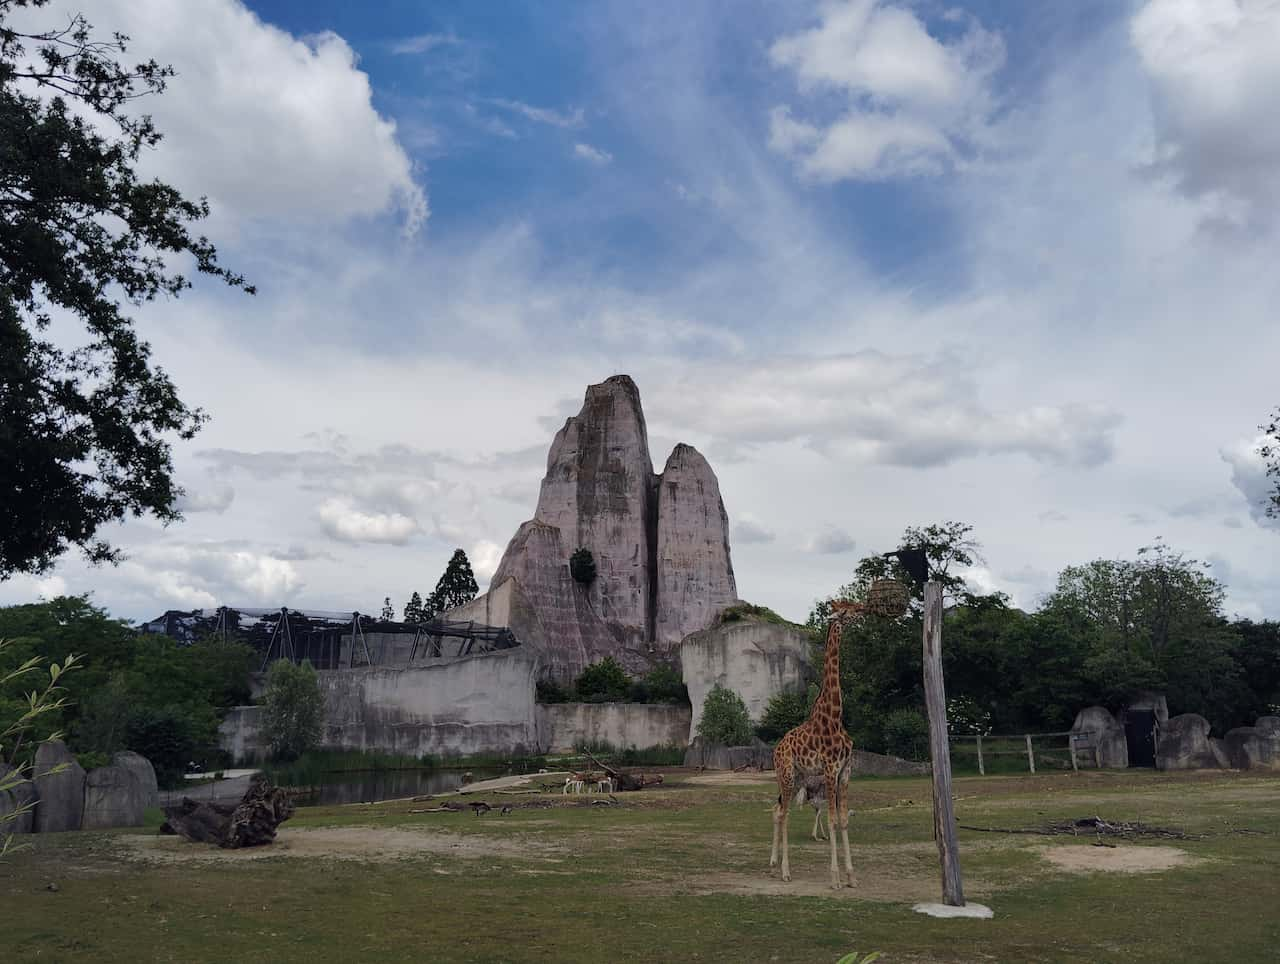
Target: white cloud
(747, 531)
(1214, 68)
(908, 101)
(543, 115)
(423, 42)
(215, 498)
(593, 155)
(1249, 476)
(267, 125)
(484, 557)
(343, 521)
(832, 540)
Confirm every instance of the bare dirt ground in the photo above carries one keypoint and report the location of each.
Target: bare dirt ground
(1119, 859)
(343, 843)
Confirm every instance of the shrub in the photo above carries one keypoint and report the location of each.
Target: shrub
(745, 610)
(582, 566)
(724, 718)
(783, 713)
(906, 734)
(549, 691)
(601, 682)
(665, 685)
(171, 737)
(293, 709)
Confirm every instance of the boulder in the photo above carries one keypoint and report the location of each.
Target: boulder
(143, 772)
(869, 764)
(1098, 730)
(694, 571)
(1253, 747)
(755, 657)
(1185, 745)
(24, 794)
(717, 756)
(114, 796)
(61, 794)
(1268, 724)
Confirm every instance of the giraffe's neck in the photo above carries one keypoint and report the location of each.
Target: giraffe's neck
(829, 697)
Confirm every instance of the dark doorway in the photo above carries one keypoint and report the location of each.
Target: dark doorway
(1139, 733)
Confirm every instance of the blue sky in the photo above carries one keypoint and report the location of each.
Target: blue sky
(883, 262)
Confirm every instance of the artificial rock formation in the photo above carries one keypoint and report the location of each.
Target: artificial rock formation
(143, 772)
(1185, 744)
(1104, 734)
(1255, 747)
(61, 794)
(22, 795)
(113, 797)
(660, 544)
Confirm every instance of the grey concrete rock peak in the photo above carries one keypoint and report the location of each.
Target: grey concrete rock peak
(660, 543)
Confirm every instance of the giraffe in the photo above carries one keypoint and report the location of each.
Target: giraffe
(819, 747)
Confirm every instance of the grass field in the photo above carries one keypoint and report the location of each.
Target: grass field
(675, 873)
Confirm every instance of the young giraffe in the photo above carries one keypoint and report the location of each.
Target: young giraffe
(819, 747)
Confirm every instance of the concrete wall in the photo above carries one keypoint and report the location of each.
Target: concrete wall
(449, 707)
(240, 734)
(561, 726)
(755, 658)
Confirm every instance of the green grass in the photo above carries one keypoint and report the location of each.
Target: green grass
(676, 873)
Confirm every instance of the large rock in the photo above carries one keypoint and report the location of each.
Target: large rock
(695, 574)
(113, 797)
(868, 764)
(755, 657)
(1185, 745)
(24, 794)
(61, 794)
(143, 772)
(717, 756)
(1096, 730)
(1254, 747)
(660, 544)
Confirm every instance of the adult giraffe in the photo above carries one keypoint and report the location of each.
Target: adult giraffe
(819, 747)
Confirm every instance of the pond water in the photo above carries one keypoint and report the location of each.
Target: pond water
(370, 786)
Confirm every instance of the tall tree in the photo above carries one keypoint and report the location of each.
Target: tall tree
(388, 610)
(458, 584)
(84, 430)
(413, 610)
(1270, 450)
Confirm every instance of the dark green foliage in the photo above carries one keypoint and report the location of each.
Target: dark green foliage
(784, 713)
(84, 430)
(169, 738)
(724, 718)
(906, 734)
(740, 611)
(665, 685)
(1270, 452)
(414, 611)
(602, 682)
(549, 691)
(388, 610)
(663, 755)
(292, 709)
(457, 586)
(582, 566)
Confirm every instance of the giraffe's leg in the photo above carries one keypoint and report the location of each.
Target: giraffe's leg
(786, 791)
(843, 817)
(817, 823)
(833, 796)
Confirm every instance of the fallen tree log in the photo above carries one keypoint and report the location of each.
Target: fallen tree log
(626, 780)
(250, 823)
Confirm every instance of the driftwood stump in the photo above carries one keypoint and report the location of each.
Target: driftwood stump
(251, 823)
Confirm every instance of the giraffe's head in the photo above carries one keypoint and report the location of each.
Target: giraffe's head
(842, 611)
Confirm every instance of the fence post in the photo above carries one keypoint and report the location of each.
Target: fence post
(1071, 742)
(1031, 756)
(944, 820)
(982, 770)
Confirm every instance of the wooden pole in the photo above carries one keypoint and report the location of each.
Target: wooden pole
(1031, 757)
(944, 820)
(1071, 742)
(982, 770)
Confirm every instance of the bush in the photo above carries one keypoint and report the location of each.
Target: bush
(784, 713)
(906, 734)
(293, 709)
(602, 682)
(665, 685)
(724, 718)
(745, 610)
(171, 737)
(582, 566)
(549, 691)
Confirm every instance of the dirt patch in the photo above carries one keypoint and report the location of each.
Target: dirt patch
(728, 778)
(344, 843)
(1117, 860)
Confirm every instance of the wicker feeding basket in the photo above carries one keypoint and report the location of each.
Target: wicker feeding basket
(887, 597)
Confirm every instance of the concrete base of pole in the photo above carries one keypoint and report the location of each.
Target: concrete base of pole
(946, 910)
